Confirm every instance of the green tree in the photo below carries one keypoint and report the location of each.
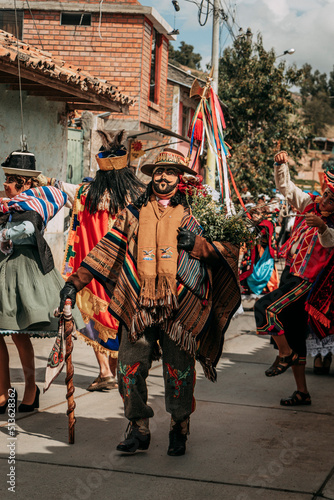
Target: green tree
(318, 114)
(331, 87)
(185, 55)
(261, 111)
(312, 84)
(316, 91)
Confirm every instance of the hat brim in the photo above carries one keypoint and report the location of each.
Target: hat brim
(21, 171)
(149, 167)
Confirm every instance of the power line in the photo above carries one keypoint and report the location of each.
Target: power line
(23, 139)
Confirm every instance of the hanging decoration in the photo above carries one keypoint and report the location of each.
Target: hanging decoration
(136, 150)
(208, 124)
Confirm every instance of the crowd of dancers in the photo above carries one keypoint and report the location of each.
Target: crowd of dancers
(145, 283)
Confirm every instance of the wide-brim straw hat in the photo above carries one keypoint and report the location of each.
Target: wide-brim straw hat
(169, 158)
(20, 163)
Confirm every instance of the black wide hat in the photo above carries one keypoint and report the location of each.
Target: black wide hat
(20, 163)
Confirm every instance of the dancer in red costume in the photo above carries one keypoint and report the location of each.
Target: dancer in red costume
(309, 249)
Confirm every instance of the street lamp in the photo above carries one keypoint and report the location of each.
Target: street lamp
(176, 5)
(290, 52)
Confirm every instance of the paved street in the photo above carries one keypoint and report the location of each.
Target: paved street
(243, 444)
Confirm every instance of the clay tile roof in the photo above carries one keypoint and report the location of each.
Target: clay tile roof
(182, 77)
(45, 64)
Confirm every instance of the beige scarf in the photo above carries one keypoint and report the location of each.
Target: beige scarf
(158, 255)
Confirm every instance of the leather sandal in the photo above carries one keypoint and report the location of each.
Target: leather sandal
(284, 363)
(268, 372)
(102, 384)
(297, 399)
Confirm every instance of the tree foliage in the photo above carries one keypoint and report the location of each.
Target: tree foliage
(317, 91)
(185, 55)
(261, 111)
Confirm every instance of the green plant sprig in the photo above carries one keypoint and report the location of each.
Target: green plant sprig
(217, 226)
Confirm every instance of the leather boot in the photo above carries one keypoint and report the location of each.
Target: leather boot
(178, 437)
(137, 437)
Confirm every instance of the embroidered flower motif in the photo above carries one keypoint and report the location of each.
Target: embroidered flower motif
(56, 356)
(177, 378)
(128, 372)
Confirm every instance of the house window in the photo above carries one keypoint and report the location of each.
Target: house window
(8, 23)
(155, 67)
(77, 19)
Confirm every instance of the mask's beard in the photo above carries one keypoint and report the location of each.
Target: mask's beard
(164, 192)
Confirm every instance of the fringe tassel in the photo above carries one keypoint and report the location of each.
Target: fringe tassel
(166, 289)
(209, 371)
(317, 315)
(147, 292)
(162, 293)
(184, 339)
(96, 346)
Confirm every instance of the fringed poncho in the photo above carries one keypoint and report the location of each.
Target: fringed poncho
(207, 296)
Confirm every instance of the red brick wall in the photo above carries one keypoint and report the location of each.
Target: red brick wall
(122, 56)
(169, 104)
(127, 2)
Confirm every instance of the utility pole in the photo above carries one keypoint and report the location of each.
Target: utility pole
(210, 175)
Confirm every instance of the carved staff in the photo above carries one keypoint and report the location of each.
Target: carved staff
(68, 329)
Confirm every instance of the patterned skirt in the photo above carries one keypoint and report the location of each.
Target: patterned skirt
(28, 297)
(283, 312)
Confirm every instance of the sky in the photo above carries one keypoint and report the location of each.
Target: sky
(305, 25)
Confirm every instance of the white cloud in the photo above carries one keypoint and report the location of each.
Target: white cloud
(279, 8)
(306, 26)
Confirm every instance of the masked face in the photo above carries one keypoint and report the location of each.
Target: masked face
(165, 180)
(327, 201)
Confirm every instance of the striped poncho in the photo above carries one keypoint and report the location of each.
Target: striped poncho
(207, 297)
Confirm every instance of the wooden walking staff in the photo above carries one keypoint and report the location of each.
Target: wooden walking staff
(68, 330)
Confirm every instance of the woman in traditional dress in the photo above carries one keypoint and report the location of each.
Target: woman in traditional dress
(29, 284)
(309, 249)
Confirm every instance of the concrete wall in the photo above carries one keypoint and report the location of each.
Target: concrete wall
(45, 126)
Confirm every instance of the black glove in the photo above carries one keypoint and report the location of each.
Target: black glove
(186, 239)
(68, 292)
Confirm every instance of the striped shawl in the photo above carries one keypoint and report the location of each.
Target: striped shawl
(207, 300)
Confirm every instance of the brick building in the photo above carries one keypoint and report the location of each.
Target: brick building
(121, 42)
(47, 88)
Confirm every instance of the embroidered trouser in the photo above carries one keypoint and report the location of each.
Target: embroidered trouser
(134, 362)
(283, 312)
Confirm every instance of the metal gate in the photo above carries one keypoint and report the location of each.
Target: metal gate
(74, 156)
